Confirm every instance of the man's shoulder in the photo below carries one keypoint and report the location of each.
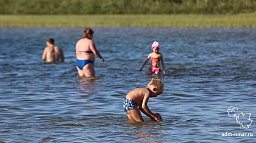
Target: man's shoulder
(56, 47)
(46, 48)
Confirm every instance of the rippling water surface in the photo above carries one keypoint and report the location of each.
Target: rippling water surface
(208, 71)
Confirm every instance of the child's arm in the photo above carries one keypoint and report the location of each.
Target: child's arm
(144, 108)
(162, 62)
(149, 56)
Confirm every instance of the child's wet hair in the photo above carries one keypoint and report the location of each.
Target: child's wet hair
(87, 32)
(159, 84)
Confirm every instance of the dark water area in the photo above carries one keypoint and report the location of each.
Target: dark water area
(209, 93)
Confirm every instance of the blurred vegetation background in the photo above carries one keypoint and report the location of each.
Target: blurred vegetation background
(80, 7)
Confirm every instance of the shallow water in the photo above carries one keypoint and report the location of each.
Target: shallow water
(208, 70)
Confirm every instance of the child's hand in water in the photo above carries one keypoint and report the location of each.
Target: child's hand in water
(102, 60)
(153, 118)
(158, 117)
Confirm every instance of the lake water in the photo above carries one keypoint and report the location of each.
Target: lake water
(207, 72)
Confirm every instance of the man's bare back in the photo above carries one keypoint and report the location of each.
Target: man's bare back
(52, 53)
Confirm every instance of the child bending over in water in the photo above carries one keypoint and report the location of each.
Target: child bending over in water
(155, 57)
(139, 97)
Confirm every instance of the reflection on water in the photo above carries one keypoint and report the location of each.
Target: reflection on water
(207, 71)
(143, 132)
(86, 86)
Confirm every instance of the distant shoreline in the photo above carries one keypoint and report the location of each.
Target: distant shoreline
(178, 20)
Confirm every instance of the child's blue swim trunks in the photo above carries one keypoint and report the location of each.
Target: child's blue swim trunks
(128, 104)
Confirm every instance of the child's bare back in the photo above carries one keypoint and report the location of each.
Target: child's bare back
(137, 95)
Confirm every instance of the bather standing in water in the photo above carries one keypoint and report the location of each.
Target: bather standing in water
(52, 53)
(85, 54)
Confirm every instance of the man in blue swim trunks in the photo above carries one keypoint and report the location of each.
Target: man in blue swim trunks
(85, 54)
(139, 97)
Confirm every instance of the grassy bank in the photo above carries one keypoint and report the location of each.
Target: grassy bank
(181, 21)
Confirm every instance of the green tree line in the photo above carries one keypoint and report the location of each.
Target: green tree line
(63, 7)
